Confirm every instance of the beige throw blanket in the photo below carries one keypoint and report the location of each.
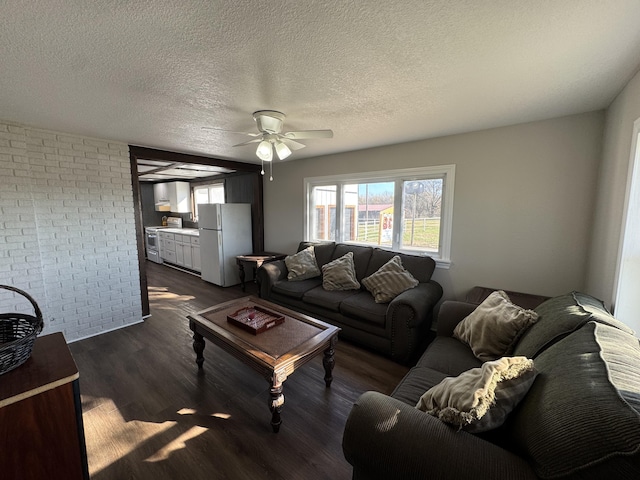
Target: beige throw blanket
(466, 398)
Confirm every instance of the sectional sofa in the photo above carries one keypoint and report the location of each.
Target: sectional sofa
(580, 418)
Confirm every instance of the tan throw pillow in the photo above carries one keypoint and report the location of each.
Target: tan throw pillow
(340, 274)
(494, 327)
(480, 399)
(389, 281)
(302, 265)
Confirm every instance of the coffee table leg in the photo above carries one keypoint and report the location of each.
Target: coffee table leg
(276, 401)
(328, 361)
(198, 347)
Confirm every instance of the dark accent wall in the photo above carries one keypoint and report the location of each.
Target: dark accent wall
(239, 188)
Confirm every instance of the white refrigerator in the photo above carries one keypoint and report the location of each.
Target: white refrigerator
(225, 232)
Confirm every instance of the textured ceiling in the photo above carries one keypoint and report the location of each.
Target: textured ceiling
(152, 73)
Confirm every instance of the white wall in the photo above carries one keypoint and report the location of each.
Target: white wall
(67, 232)
(524, 198)
(613, 176)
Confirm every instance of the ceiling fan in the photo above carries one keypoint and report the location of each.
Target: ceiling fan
(270, 136)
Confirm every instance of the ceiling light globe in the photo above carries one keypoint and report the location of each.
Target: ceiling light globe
(264, 151)
(282, 150)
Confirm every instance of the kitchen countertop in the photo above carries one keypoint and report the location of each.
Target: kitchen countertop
(194, 232)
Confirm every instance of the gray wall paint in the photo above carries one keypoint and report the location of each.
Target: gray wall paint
(618, 132)
(523, 207)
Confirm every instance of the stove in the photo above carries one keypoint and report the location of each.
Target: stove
(152, 241)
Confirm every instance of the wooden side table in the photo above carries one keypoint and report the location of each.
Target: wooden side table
(255, 260)
(42, 434)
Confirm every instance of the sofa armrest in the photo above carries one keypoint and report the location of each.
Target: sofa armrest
(415, 306)
(409, 316)
(267, 276)
(385, 438)
(451, 313)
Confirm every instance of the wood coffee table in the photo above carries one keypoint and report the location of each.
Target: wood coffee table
(275, 353)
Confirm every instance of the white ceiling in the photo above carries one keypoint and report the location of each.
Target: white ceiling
(152, 73)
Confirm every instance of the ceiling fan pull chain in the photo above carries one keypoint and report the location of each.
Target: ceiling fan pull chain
(262, 163)
(271, 172)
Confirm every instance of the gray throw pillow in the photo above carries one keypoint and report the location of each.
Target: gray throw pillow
(480, 399)
(302, 265)
(389, 281)
(340, 274)
(494, 327)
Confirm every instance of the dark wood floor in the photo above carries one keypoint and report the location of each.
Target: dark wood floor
(149, 414)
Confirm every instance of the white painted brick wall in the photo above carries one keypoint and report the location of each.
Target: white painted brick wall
(67, 232)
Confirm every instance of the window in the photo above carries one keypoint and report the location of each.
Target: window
(403, 210)
(213, 193)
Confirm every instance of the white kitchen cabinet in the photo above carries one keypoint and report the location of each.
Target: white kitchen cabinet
(180, 249)
(172, 197)
(183, 251)
(167, 246)
(195, 257)
(161, 197)
(180, 254)
(188, 257)
(195, 253)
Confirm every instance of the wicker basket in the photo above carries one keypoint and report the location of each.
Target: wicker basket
(18, 331)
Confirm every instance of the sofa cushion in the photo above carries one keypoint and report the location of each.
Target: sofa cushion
(417, 381)
(302, 265)
(340, 274)
(584, 407)
(493, 328)
(480, 399)
(329, 299)
(361, 256)
(449, 356)
(560, 316)
(389, 281)
(421, 267)
(363, 306)
(296, 289)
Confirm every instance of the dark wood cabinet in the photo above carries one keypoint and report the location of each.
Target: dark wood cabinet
(41, 429)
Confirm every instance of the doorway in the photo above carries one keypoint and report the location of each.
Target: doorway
(242, 186)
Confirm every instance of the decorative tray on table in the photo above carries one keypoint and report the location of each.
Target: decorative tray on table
(255, 319)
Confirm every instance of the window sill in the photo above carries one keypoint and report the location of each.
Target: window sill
(443, 264)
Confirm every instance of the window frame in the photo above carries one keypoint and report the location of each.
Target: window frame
(445, 172)
(208, 187)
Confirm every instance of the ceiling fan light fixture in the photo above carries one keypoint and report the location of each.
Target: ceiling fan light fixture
(264, 151)
(282, 150)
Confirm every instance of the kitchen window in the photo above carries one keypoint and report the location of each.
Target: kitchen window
(212, 193)
(407, 210)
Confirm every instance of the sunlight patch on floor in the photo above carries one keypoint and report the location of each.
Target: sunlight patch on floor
(177, 444)
(162, 294)
(191, 411)
(107, 442)
(181, 442)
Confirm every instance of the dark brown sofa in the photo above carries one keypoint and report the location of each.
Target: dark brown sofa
(579, 420)
(397, 329)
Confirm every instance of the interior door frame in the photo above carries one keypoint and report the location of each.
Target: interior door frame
(137, 152)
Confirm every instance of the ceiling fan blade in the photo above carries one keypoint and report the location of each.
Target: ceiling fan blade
(292, 144)
(302, 134)
(231, 131)
(255, 140)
